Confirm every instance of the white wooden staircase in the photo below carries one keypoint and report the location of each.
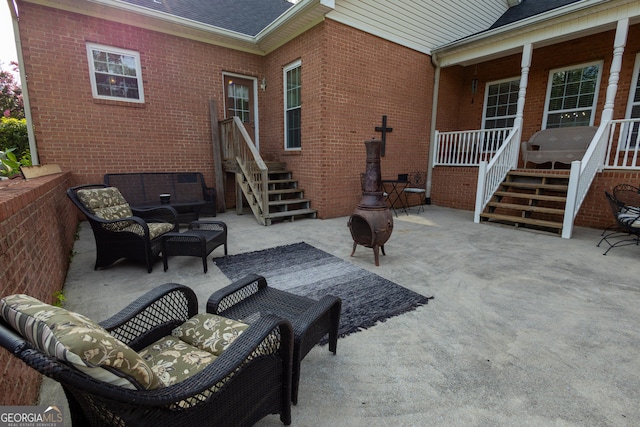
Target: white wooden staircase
(533, 199)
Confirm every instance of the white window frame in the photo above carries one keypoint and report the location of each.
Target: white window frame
(117, 51)
(599, 64)
(486, 100)
(285, 70)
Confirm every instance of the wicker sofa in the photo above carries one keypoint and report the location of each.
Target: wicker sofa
(157, 362)
(190, 195)
(557, 145)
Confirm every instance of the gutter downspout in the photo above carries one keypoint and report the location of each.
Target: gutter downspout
(33, 149)
(432, 136)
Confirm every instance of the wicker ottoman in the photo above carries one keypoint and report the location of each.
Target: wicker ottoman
(200, 239)
(250, 297)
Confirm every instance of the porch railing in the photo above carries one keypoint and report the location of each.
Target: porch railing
(237, 146)
(468, 148)
(623, 147)
(491, 173)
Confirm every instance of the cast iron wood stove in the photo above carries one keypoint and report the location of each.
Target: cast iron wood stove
(371, 223)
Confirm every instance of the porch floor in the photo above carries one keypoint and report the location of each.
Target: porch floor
(525, 328)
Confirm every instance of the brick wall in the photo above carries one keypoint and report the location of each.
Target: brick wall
(38, 224)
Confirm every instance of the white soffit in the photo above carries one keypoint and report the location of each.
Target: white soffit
(292, 23)
(573, 21)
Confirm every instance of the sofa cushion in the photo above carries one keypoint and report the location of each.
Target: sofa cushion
(77, 340)
(174, 360)
(210, 332)
(155, 229)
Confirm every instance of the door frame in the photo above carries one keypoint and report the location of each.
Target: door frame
(256, 120)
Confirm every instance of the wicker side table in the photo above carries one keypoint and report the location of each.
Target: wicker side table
(250, 298)
(200, 239)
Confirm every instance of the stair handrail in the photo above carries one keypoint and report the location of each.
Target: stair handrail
(238, 145)
(492, 173)
(582, 175)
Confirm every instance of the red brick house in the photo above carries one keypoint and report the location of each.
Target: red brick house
(126, 85)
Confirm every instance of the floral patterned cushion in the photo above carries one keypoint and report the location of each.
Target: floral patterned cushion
(210, 332)
(75, 339)
(106, 203)
(173, 360)
(155, 229)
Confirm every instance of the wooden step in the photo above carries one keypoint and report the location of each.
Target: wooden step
(297, 212)
(527, 208)
(539, 174)
(285, 191)
(282, 181)
(531, 196)
(287, 202)
(535, 186)
(521, 220)
(276, 166)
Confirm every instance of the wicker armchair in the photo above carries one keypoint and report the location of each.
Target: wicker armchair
(249, 379)
(120, 230)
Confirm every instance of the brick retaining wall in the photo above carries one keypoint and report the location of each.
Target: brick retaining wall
(38, 225)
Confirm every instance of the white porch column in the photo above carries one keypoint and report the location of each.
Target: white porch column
(616, 64)
(525, 65)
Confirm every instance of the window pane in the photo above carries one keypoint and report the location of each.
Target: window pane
(293, 128)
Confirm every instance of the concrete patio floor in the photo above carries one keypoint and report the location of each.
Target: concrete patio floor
(525, 328)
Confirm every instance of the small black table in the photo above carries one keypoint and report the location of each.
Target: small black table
(200, 239)
(395, 193)
(250, 297)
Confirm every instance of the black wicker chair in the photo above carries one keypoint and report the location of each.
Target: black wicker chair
(626, 213)
(135, 235)
(249, 380)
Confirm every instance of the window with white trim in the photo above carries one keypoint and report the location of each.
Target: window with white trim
(115, 73)
(571, 96)
(500, 104)
(292, 106)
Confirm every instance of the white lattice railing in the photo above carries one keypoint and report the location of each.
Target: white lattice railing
(491, 173)
(468, 148)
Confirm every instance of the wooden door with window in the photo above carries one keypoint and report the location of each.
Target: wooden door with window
(239, 101)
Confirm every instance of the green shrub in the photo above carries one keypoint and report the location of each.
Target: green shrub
(14, 146)
(13, 134)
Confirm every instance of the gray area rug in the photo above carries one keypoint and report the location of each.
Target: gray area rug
(308, 271)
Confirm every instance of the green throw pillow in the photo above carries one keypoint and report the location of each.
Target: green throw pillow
(76, 339)
(210, 332)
